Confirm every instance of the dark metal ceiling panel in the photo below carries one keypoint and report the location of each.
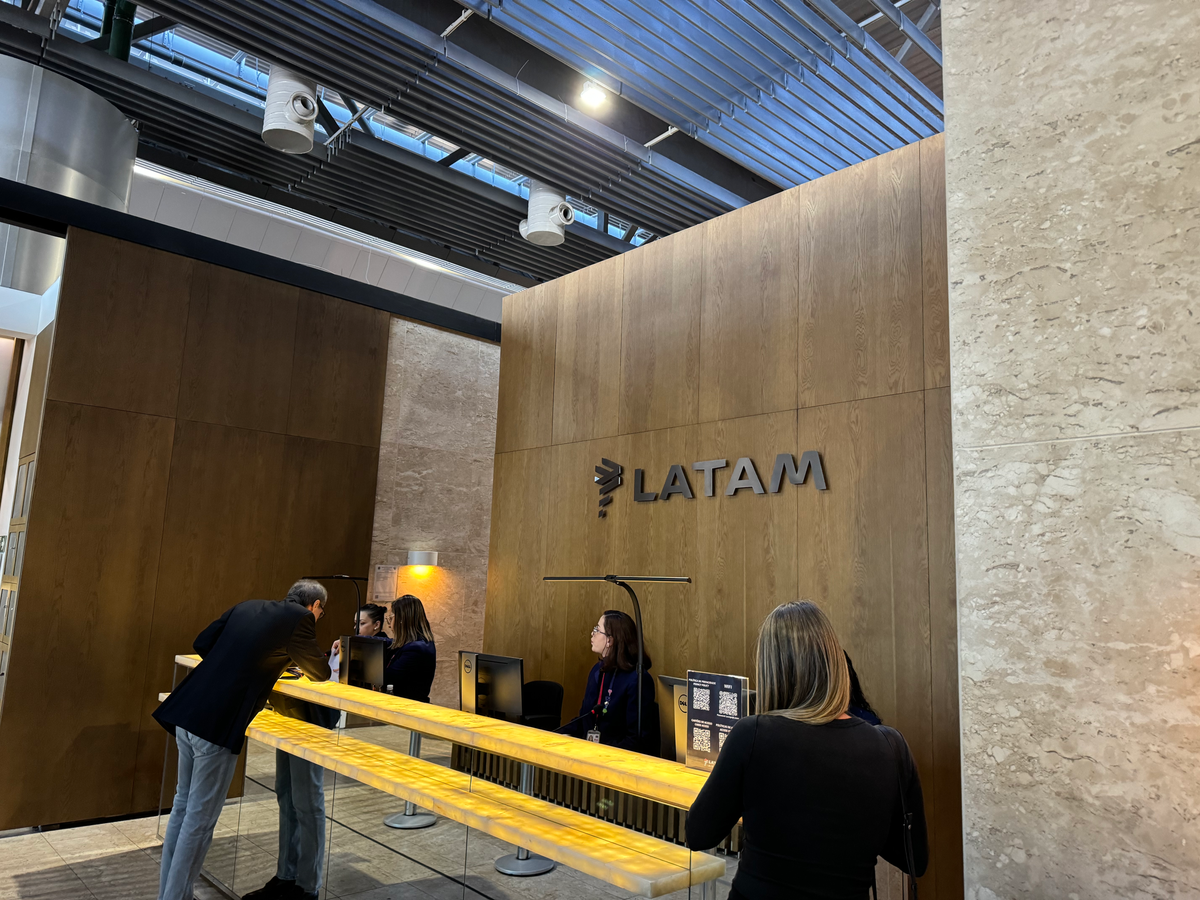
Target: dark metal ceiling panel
(375, 57)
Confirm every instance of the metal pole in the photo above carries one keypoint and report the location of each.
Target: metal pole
(523, 863)
(410, 818)
(637, 618)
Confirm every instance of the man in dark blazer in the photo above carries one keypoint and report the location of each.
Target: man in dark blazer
(243, 654)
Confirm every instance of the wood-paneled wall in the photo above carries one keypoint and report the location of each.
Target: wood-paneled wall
(813, 320)
(208, 437)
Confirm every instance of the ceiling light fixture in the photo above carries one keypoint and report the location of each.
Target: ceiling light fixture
(592, 94)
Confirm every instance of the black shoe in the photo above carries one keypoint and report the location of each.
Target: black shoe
(275, 889)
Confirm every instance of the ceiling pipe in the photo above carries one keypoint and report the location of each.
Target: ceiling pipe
(121, 38)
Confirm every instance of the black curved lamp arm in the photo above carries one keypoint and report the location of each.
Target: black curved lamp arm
(354, 579)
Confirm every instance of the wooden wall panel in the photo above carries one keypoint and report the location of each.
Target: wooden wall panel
(521, 616)
(324, 522)
(578, 543)
(946, 783)
(660, 335)
(72, 702)
(587, 353)
(860, 281)
(936, 273)
(238, 512)
(122, 343)
(529, 324)
(746, 544)
(217, 550)
(821, 325)
(237, 361)
(338, 371)
(749, 320)
(661, 538)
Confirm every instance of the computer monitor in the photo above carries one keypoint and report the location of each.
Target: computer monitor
(491, 685)
(362, 661)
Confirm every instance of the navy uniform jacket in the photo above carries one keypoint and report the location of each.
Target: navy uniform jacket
(613, 710)
(410, 670)
(244, 652)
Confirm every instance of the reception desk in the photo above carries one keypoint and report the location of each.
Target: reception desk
(630, 860)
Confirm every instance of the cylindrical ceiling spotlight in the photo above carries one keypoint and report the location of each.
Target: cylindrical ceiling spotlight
(549, 215)
(291, 111)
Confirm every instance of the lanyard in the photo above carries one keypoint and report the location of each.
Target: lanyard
(600, 696)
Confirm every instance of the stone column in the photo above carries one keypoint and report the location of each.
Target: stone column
(1073, 193)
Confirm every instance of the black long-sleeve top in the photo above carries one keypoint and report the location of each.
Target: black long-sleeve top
(818, 804)
(410, 670)
(610, 706)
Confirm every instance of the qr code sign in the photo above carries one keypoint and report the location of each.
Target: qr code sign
(700, 699)
(727, 705)
(702, 740)
(721, 742)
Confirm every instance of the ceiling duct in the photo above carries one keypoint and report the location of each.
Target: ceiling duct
(549, 215)
(59, 136)
(290, 112)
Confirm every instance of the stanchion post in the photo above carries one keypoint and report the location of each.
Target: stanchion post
(410, 818)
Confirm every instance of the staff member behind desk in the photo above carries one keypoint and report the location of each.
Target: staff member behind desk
(610, 710)
(243, 654)
(412, 658)
(820, 793)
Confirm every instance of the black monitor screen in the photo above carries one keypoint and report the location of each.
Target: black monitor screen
(491, 685)
(362, 661)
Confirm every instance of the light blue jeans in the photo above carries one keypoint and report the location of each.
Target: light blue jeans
(205, 771)
(300, 790)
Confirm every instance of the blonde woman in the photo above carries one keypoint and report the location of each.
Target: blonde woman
(820, 793)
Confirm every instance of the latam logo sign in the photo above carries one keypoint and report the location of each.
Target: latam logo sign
(742, 477)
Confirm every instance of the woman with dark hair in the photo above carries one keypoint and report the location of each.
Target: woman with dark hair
(821, 794)
(368, 622)
(609, 713)
(860, 707)
(412, 658)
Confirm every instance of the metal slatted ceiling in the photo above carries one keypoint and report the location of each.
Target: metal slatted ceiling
(771, 84)
(363, 175)
(376, 64)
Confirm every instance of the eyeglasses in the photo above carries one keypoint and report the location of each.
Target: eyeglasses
(596, 630)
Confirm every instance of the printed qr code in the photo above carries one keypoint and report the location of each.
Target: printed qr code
(702, 740)
(700, 698)
(727, 705)
(721, 742)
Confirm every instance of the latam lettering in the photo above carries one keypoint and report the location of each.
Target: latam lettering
(743, 477)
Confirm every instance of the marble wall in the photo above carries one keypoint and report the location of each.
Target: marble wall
(1073, 193)
(434, 490)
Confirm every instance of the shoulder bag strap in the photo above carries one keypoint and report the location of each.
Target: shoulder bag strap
(905, 819)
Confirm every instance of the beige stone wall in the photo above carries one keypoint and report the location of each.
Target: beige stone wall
(1073, 169)
(434, 490)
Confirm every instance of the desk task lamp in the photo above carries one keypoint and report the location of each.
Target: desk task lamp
(355, 579)
(524, 863)
(623, 581)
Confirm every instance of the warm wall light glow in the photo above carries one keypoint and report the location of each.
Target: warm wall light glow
(592, 94)
(420, 571)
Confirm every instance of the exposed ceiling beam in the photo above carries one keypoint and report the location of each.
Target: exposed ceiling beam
(922, 23)
(141, 31)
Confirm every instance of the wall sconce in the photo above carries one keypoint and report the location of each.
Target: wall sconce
(422, 561)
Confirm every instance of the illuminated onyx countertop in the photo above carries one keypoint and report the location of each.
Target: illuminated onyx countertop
(634, 773)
